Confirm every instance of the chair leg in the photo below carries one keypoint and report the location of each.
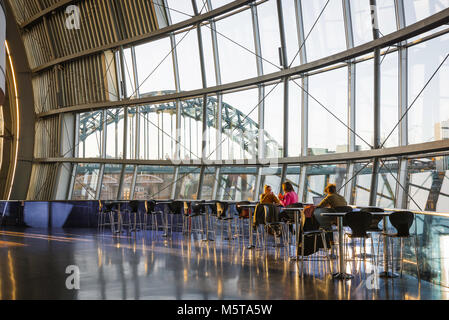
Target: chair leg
(401, 255)
(373, 257)
(415, 240)
(140, 220)
(323, 238)
(112, 222)
(302, 252)
(379, 242)
(391, 246)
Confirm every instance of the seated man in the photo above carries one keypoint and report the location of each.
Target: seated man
(333, 199)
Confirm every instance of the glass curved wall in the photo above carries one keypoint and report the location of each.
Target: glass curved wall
(261, 129)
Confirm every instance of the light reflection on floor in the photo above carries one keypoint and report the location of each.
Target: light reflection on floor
(147, 266)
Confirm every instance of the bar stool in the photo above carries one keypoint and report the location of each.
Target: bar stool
(150, 211)
(174, 209)
(402, 221)
(133, 212)
(289, 219)
(107, 210)
(374, 226)
(223, 218)
(195, 216)
(359, 223)
(243, 214)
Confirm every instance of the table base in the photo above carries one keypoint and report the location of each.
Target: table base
(388, 274)
(342, 276)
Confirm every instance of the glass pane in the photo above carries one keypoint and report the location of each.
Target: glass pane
(292, 176)
(319, 176)
(201, 6)
(129, 74)
(274, 120)
(294, 118)
(291, 32)
(328, 133)
(154, 64)
(208, 183)
(187, 183)
(361, 21)
(114, 137)
(386, 184)
(271, 176)
(111, 182)
(131, 134)
(428, 118)
(86, 182)
(158, 131)
(90, 134)
(208, 53)
(428, 184)
(180, 10)
(237, 183)
(387, 16)
(429, 191)
(364, 102)
(328, 36)
(154, 183)
(361, 193)
(212, 125)
(127, 183)
(416, 10)
(389, 98)
(235, 38)
(269, 35)
(189, 60)
(240, 124)
(191, 128)
(220, 3)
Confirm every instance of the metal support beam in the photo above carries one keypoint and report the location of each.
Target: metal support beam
(401, 194)
(351, 77)
(100, 182)
(259, 64)
(377, 93)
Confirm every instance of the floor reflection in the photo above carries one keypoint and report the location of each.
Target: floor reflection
(148, 266)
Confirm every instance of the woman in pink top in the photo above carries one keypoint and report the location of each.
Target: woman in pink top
(290, 196)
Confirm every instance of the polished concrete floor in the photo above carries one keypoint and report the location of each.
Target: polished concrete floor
(147, 266)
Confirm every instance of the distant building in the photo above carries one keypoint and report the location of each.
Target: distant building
(345, 148)
(442, 130)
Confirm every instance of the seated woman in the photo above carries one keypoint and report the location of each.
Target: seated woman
(290, 196)
(268, 197)
(333, 199)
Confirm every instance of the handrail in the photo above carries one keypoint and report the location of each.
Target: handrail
(427, 213)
